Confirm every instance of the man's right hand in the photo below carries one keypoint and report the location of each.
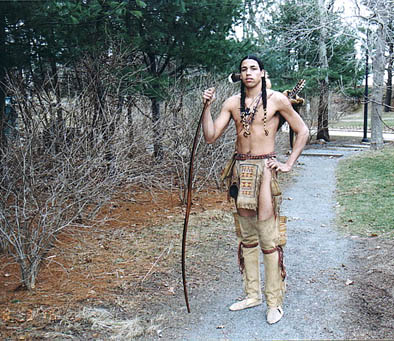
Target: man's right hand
(209, 96)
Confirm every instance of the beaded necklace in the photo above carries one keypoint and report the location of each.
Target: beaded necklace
(247, 116)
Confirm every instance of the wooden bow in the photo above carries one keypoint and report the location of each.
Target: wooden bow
(189, 205)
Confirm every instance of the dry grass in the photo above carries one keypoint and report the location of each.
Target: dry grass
(104, 322)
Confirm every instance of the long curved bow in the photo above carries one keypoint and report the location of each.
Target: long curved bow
(189, 205)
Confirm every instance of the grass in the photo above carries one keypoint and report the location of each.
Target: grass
(365, 193)
(356, 120)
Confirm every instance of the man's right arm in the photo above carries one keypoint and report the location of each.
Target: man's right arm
(214, 129)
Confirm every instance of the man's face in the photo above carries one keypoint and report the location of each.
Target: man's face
(251, 73)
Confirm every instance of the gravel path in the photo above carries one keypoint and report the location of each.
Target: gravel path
(317, 262)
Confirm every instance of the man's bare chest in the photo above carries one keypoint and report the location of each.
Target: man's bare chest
(255, 116)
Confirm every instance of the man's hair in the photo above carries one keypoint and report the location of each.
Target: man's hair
(263, 85)
(251, 56)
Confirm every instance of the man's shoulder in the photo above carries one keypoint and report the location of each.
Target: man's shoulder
(233, 100)
(278, 98)
(275, 95)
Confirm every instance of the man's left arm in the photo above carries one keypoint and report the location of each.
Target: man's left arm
(299, 127)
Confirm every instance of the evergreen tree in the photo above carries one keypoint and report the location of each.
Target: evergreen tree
(175, 36)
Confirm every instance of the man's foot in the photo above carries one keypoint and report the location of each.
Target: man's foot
(246, 303)
(274, 314)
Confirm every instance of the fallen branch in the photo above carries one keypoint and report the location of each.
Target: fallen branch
(156, 261)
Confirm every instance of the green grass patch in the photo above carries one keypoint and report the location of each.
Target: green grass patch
(359, 125)
(356, 121)
(365, 193)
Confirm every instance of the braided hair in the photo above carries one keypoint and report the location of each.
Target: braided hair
(263, 89)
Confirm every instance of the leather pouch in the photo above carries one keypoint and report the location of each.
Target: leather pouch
(275, 188)
(228, 168)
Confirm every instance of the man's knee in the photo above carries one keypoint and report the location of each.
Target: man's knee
(268, 233)
(265, 213)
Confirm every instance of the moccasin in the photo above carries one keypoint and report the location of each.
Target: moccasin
(244, 304)
(274, 314)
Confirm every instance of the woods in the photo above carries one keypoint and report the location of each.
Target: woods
(107, 94)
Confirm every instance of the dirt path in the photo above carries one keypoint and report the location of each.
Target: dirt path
(124, 280)
(319, 264)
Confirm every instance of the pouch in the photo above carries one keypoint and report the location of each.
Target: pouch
(228, 168)
(275, 188)
(282, 230)
(233, 191)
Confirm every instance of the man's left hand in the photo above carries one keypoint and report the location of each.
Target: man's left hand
(278, 166)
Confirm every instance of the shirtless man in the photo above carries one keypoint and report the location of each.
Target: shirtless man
(256, 122)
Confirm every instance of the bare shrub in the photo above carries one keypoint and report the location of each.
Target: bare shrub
(45, 192)
(67, 160)
(41, 196)
(180, 128)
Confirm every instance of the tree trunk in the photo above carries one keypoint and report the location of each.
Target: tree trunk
(55, 75)
(98, 120)
(130, 123)
(157, 145)
(29, 271)
(249, 24)
(2, 75)
(389, 86)
(57, 124)
(155, 107)
(322, 123)
(378, 68)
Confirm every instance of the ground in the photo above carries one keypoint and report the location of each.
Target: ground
(122, 278)
(373, 296)
(113, 265)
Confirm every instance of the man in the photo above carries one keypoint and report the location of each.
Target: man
(254, 112)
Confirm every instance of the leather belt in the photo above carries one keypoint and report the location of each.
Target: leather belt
(254, 157)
